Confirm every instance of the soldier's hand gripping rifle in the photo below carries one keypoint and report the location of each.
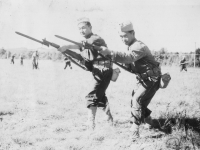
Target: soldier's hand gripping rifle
(47, 43)
(96, 48)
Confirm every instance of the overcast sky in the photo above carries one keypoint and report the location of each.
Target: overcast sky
(172, 24)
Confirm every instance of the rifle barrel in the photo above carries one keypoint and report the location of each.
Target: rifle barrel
(63, 38)
(29, 37)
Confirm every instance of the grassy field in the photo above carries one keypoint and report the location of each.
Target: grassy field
(45, 110)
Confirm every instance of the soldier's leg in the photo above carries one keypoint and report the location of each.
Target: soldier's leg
(141, 100)
(36, 64)
(181, 68)
(33, 64)
(65, 66)
(107, 110)
(70, 65)
(91, 117)
(96, 98)
(92, 104)
(185, 68)
(103, 102)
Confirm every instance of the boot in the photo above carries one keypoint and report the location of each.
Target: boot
(91, 117)
(148, 122)
(135, 131)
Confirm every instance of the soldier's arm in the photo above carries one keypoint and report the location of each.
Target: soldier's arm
(66, 47)
(125, 57)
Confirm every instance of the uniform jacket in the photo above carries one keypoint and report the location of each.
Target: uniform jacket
(138, 57)
(89, 54)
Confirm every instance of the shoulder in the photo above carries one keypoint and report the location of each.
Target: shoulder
(97, 40)
(138, 46)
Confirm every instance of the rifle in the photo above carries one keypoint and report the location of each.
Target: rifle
(47, 43)
(95, 47)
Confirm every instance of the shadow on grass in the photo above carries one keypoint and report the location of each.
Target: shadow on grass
(6, 113)
(165, 125)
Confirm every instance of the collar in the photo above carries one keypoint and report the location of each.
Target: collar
(88, 36)
(132, 43)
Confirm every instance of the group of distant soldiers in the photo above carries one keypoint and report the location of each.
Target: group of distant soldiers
(13, 59)
(35, 58)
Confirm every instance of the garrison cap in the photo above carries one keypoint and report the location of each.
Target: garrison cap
(83, 20)
(126, 26)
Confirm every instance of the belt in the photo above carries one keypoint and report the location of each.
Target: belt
(102, 63)
(155, 72)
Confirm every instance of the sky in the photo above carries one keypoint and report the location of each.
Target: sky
(170, 24)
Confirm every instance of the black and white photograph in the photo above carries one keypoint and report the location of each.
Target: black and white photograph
(99, 75)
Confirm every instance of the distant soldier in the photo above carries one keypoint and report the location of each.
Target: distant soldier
(21, 59)
(35, 58)
(67, 63)
(183, 63)
(12, 59)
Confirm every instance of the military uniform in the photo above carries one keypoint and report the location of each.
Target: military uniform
(22, 58)
(67, 63)
(35, 58)
(183, 64)
(148, 73)
(12, 59)
(101, 70)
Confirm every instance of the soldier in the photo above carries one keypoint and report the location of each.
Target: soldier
(140, 61)
(183, 64)
(12, 59)
(35, 58)
(67, 63)
(101, 70)
(21, 59)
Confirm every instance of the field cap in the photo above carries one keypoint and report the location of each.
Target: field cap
(83, 20)
(125, 27)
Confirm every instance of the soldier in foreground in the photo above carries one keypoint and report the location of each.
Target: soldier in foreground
(140, 61)
(100, 68)
(35, 58)
(67, 63)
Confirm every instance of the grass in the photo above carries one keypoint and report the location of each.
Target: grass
(45, 109)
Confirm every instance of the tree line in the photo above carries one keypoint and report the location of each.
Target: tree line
(163, 56)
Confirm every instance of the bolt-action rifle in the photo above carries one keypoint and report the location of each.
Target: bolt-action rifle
(96, 48)
(47, 43)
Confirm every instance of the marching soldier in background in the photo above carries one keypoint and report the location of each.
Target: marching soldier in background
(67, 63)
(21, 59)
(140, 61)
(100, 68)
(12, 59)
(35, 58)
(183, 63)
